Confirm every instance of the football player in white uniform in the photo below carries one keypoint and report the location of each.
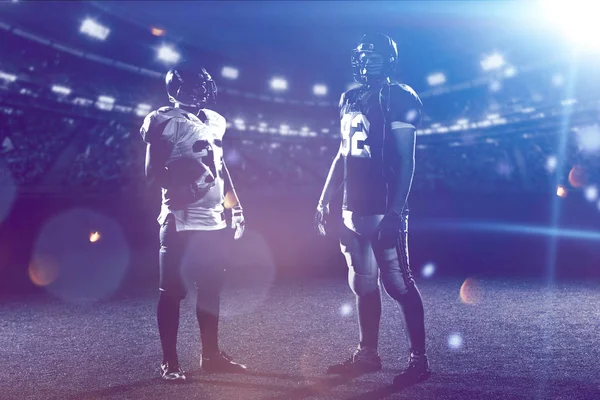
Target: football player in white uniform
(375, 166)
(184, 156)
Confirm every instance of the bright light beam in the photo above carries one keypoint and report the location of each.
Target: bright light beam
(552, 232)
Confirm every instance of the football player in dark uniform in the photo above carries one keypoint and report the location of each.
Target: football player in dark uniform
(184, 157)
(375, 165)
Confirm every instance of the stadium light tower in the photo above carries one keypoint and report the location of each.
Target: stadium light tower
(94, 29)
(492, 62)
(319, 89)
(278, 84)
(436, 79)
(577, 19)
(61, 90)
(168, 54)
(230, 72)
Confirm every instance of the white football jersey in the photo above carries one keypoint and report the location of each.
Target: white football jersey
(197, 157)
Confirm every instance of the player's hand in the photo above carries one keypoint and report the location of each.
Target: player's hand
(388, 231)
(321, 216)
(238, 222)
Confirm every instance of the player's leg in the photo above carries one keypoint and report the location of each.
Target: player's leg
(172, 291)
(363, 278)
(210, 248)
(399, 283)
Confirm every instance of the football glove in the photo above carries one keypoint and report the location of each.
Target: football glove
(389, 229)
(321, 216)
(237, 222)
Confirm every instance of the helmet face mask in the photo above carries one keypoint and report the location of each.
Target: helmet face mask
(374, 60)
(190, 86)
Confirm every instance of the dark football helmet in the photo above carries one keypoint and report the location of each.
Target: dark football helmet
(374, 59)
(190, 85)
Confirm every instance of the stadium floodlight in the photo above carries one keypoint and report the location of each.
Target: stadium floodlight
(167, 54)
(591, 193)
(576, 19)
(63, 90)
(106, 99)
(278, 83)
(230, 72)
(492, 62)
(105, 103)
(7, 77)
(157, 31)
(284, 129)
(495, 86)
(142, 109)
(551, 163)
(239, 121)
(319, 89)
(436, 79)
(558, 80)
(493, 116)
(462, 121)
(94, 29)
(509, 72)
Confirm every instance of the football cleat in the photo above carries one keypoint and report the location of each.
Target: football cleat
(363, 361)
(221, 363)
(416, 371)
(172, 373)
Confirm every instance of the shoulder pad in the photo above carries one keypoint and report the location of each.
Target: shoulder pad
(342, 98)
(400, 103)
(155, 125)
(216, 121)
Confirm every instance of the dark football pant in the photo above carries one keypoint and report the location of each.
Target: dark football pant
(368, 263)
(190, 257)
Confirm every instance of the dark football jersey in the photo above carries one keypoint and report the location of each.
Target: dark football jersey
(367, 115)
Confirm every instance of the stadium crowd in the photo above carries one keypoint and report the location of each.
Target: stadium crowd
(501, 135)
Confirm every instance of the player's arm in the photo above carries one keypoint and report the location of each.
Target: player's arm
(157, 135)
(402, 110)
(157, 155)
(230, 193)
(334, 180)
(238, 222)
(333, 183)
(402, 163)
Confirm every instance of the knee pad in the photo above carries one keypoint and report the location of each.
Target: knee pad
(362, 284)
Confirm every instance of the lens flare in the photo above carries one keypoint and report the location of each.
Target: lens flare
(561, 191)
(471, 292)
(230, 200)
(94, 236)
(346, 309)
(578, 176)
(455, 341)
(428, 270)
(89, 270)
(43, 270)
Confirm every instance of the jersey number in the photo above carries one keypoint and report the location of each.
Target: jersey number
(204, 148)
(354, 136)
